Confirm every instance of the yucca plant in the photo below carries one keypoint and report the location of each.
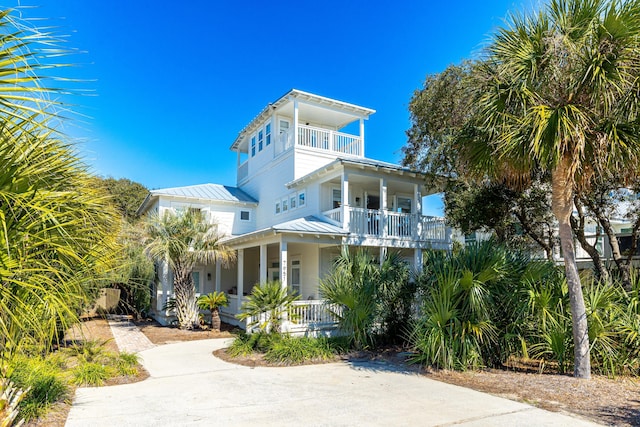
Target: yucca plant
(212, 302)
(267, 306)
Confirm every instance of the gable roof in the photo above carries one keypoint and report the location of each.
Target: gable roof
(208, 192)
(310, 225)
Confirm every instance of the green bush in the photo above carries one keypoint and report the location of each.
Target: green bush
(45, 382)
(294, 350)
(126, 364)
(90, 373)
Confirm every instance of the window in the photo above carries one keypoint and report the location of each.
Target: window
(267, 131)
(285, 205)
(277, 208)
(295, 276)
(404, 205)
(292, 201)
(253, 146)
(195, 275)
(244, 215)
(260, 139)
(301, 199)
(336, 197)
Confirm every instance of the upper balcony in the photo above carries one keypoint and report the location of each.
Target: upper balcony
(326, 140)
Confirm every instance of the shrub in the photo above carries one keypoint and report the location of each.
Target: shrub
(44, 382)
(90, 373)
(126, 364)
(267, 305)
(294, 350)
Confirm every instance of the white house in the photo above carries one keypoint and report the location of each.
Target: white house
(304, 190)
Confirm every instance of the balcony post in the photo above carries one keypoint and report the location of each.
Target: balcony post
(361, 137)
(240, 283)
(295, 122)
(383, 208)
(416, 210)
(344, 200)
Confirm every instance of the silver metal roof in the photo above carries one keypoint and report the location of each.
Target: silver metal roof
(208, 192)
(309, 224)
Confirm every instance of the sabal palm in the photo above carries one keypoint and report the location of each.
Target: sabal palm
(558, 92)
(56, 230)
(181, 240)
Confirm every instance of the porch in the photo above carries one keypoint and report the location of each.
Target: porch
(305, 317)
(322, 139)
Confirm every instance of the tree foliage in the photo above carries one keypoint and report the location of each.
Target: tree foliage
(127, 195)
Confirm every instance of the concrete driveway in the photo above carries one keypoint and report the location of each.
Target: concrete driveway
(189, 386)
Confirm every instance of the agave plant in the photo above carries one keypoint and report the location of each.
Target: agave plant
(212, 302)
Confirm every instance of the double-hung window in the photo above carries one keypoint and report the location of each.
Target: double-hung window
(260, 139)
(267, 132)
(253, 146)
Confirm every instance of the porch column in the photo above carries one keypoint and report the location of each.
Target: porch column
(283, 263)
(295, 122)
(263, 263)
(383, 207)
(416, 210)
(417, 260)
(218, 274)
(361, 137)
(383, 254)
(240, 283)
(344, 200)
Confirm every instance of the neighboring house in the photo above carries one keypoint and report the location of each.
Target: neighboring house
(304, 190)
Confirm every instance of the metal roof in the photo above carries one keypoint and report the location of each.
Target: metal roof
(215, 192)
(370, 163)
(308, 225)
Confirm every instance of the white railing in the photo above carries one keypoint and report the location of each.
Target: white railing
(364, 221)
(334, 215)
(243, 170)
(320, 139)
(372, 222)
(313, 312)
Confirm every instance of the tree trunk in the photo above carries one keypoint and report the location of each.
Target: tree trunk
(562, 206)
(215, 319)
(578, 228)
(546, 245)
(185, 294)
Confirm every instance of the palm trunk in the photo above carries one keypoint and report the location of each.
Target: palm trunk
(185, 294)
(215, 319)
(562, 206)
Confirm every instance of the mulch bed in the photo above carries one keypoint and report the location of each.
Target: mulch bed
(159, 334)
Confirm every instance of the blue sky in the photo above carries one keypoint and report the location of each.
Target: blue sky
(174, 82)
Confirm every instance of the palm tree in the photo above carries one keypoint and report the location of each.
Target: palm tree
(182, 240)
(57, 232)
(212, 302)
(558, 91)
(267, 306)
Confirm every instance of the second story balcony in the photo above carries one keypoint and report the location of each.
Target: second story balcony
(382, 224)
(320, 139)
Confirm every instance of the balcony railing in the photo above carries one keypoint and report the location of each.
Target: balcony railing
(321, 139)
(243, 170)
(377, 223)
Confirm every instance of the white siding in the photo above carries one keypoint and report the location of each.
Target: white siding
(308, 161)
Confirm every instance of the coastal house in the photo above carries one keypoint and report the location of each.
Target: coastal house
(304, 190)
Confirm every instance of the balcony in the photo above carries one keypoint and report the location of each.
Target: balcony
(386, 224)
(321, 139)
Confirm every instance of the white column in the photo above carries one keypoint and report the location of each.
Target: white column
(344, 199)
(240, 283)
(238, 155)
(218, 274)
(417, 260)
(362, 137)
(295, 122)
(383, 207)
(263, 263)
(416, 209)
(284, 268)
(383, 254)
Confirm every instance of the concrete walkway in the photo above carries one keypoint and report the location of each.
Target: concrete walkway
(190, 387)
(127, 335)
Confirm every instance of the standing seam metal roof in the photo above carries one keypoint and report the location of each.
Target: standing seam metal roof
(207, 191)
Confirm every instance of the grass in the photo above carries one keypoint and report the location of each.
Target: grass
(287, 350)
(51, 379)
